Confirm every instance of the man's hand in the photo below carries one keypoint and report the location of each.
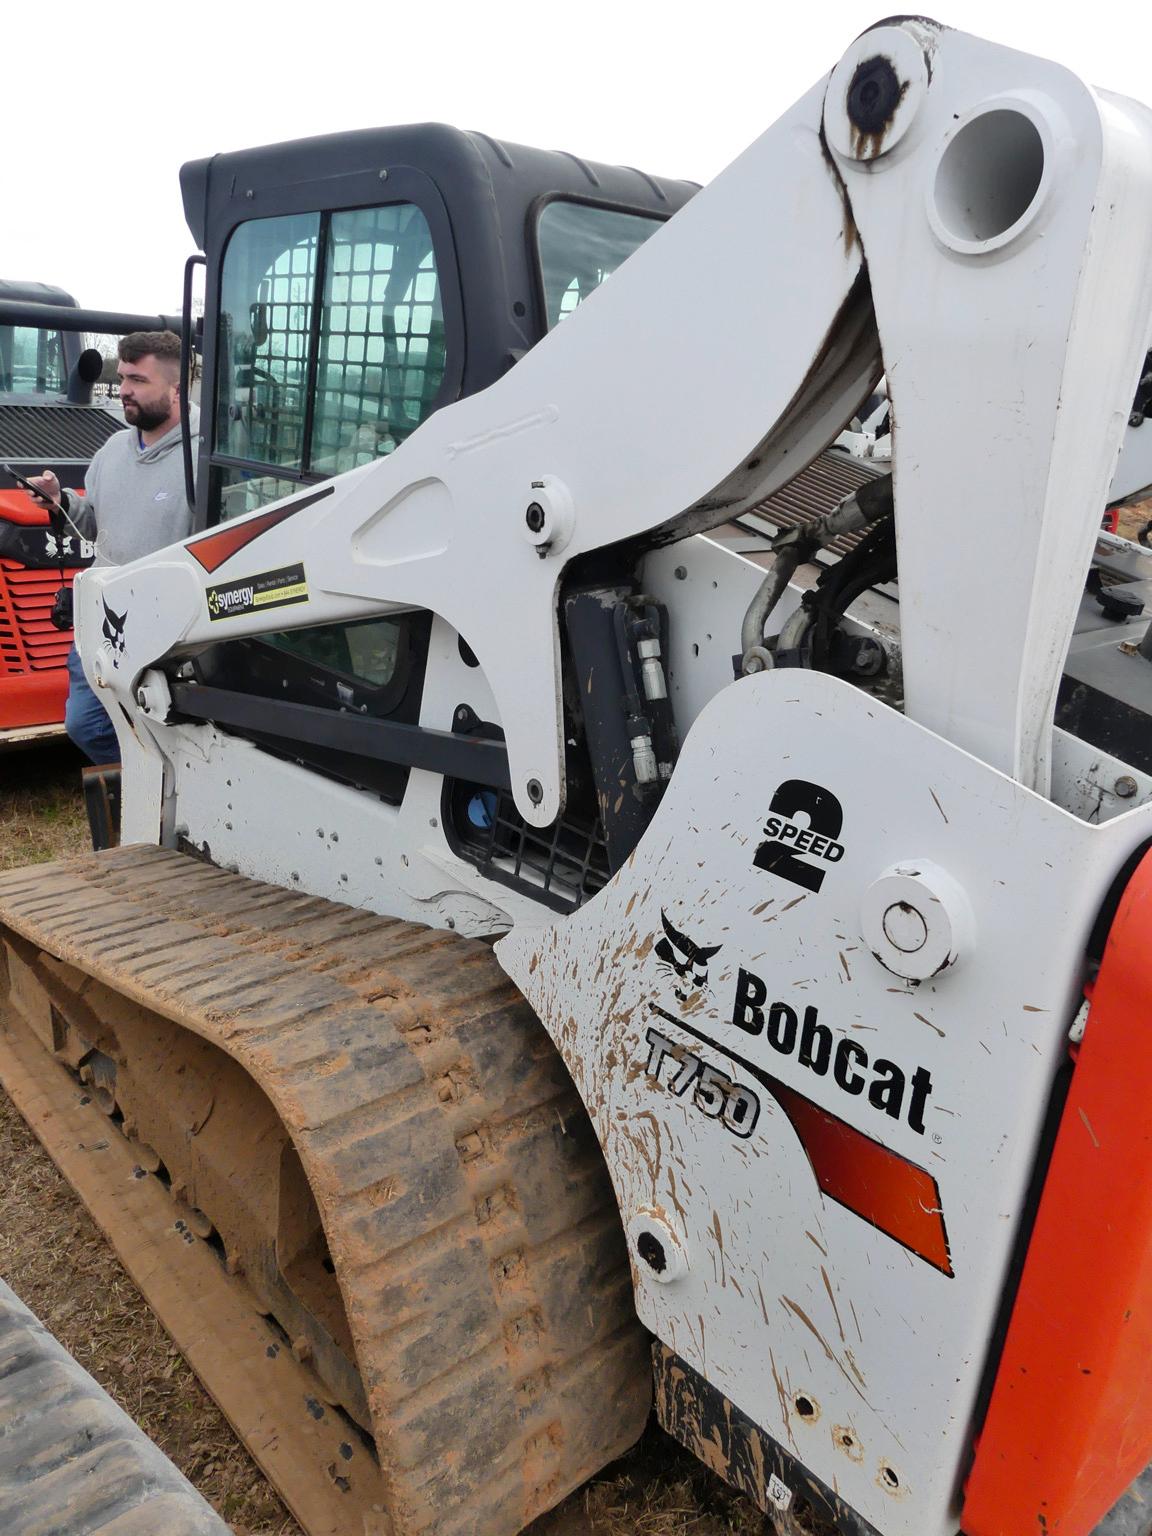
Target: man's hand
(48, 483)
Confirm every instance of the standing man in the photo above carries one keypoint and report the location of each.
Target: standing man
(134, 501)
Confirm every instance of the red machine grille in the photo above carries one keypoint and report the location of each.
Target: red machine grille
(28, 642)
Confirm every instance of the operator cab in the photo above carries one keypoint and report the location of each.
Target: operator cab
(357, 282)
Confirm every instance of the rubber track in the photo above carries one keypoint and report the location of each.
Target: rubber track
(471, 1222)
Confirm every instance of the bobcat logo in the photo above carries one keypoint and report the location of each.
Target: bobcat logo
(688, 960)
(113, 631)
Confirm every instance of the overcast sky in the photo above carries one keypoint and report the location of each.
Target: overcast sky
(103, 104)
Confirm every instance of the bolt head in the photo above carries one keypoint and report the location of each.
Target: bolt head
(904, 928)
(873, 95)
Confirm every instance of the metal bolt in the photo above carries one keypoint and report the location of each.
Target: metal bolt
(874, 95)
(1125, 786)
(905, 928)
(681, 573)
(870, 658)
(534, 517)
(535, 791)
(249, 194)
(383, 175)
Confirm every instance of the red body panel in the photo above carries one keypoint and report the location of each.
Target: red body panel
(33, 654)
(1069, 1425)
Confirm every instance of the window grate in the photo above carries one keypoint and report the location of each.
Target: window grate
(350, 300)
(567, 862)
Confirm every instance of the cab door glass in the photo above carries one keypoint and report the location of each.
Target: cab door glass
(381, 336)
(266, 298)
(331, 348)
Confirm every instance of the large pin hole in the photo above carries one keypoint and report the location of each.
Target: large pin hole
(988, 177)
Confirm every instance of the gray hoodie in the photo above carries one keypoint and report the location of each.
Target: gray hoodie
(134, 502)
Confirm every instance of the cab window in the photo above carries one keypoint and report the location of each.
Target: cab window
(31, 361)
(579, 246)
(331, 347)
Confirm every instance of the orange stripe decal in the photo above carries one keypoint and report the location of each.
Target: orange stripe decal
(214, 548)
(888, 1191)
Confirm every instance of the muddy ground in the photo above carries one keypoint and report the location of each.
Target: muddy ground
(55, 1258)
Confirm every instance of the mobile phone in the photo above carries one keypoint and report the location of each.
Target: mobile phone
(33, 490)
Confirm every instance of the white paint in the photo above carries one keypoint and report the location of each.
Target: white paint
(789, 1292)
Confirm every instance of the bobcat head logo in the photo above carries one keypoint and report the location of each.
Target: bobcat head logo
(688, 960)
(113, 631)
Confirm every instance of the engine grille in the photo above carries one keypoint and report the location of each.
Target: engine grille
(816, 490)
(28, 641)
(563, 864)
(54, 432)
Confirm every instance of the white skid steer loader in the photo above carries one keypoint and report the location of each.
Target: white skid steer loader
(809, 817)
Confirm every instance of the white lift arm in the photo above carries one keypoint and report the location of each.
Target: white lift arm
(986, 211)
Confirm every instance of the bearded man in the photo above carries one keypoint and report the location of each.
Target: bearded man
(134, 500)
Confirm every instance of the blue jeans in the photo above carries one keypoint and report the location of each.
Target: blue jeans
(85, 718)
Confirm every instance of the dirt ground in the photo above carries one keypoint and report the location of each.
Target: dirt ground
(96, 1312)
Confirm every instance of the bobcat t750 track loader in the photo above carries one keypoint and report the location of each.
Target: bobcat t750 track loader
(807, 809)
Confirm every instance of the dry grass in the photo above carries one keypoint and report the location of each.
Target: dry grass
(41, 809)
(96, 1312)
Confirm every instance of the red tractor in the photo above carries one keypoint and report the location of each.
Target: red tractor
(51, 417)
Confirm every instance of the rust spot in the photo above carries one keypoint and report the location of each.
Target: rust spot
(847, 1442)
(890, 1481)
(807, 1408)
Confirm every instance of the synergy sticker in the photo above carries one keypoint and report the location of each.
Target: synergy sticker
(269, 589)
